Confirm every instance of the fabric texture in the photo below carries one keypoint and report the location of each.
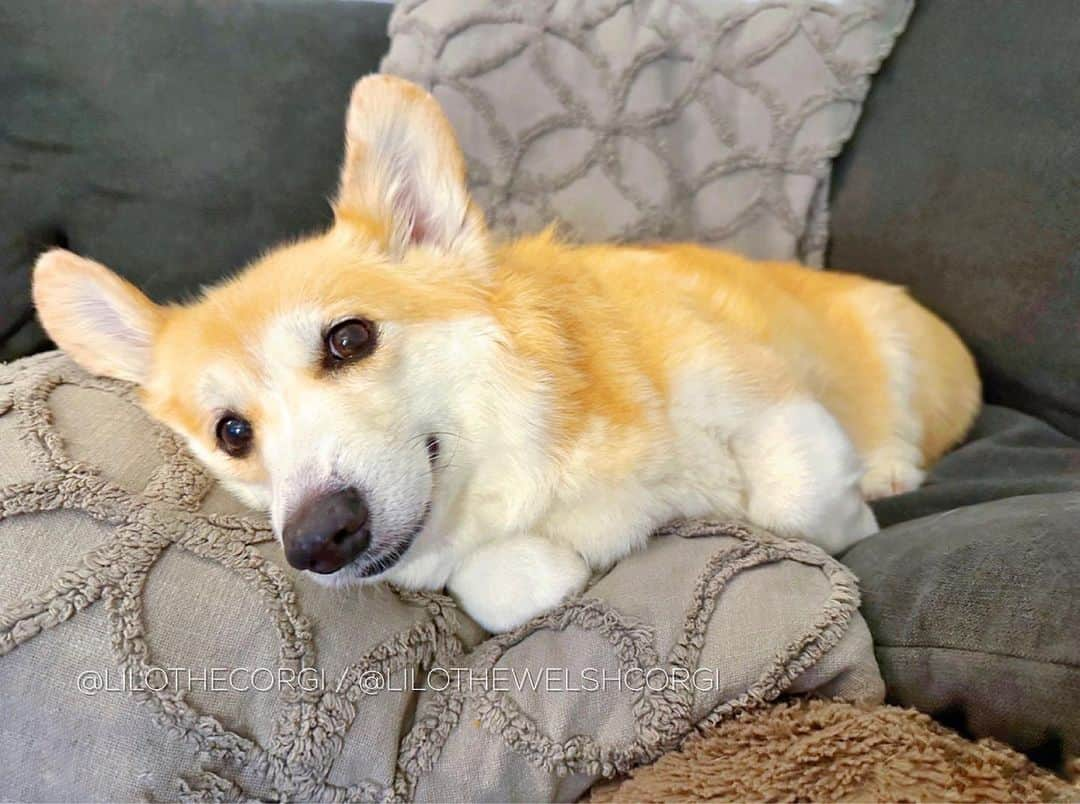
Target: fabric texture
(1007, 454)
(121, 559)
(972, 588)
(828, 751)
(974, 615)
(960, 183)
(171, 141)
(665, 119)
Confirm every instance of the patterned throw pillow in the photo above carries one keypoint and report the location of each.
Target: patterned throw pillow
(652, 119)
(154, 645)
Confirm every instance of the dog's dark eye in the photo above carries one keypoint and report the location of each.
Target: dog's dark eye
(350, 340)
(235, 435)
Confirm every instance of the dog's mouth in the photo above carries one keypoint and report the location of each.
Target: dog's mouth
(372, 565)
(369, 566)
(432, 444)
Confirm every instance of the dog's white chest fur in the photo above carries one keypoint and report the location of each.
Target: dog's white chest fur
(516, 530)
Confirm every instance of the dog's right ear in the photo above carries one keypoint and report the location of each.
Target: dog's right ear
(105, 324)
(403, 181)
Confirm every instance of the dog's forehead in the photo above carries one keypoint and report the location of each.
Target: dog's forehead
(263, 328)
(288, 341)
(230, 365)
(338, 277)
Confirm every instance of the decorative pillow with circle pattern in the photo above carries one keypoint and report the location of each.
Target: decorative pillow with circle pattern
(652, 119)
(154, 644)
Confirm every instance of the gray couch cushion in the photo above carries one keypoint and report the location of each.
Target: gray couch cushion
(960, 182)
(172, 141)
(972, 590)
(1006, 454)
(974, 613)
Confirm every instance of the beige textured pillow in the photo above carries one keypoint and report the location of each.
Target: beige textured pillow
(664, 119)
(122, 564)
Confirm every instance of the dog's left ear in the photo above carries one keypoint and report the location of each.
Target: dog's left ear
(403, 182)
(105, 325)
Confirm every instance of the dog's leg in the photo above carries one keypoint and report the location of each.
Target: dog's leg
(888, 474)
(504, 584)
(801, 476)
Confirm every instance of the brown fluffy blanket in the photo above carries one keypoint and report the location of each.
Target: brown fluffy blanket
(828, 751)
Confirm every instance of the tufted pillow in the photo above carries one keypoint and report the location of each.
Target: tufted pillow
(669, 119)
(154, 645)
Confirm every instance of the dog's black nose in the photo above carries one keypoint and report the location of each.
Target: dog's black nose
(326, 533)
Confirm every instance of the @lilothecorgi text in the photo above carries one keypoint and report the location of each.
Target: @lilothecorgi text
(375, 681)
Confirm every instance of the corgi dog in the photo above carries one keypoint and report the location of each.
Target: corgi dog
(414, 400)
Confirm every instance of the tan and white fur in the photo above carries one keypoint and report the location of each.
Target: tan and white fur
(580, 396)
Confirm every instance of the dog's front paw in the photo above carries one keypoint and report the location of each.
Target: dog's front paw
(505, 584)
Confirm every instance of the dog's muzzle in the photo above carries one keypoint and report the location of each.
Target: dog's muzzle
(327, 533)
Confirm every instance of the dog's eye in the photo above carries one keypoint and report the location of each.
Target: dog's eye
(235, 435)
(350, 340)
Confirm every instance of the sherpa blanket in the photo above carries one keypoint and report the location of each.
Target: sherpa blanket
(813, 750)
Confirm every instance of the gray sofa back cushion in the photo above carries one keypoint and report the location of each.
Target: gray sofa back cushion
(171, 141)
(960, 182)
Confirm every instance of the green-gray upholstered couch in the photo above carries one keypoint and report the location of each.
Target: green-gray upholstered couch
(175, 141)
